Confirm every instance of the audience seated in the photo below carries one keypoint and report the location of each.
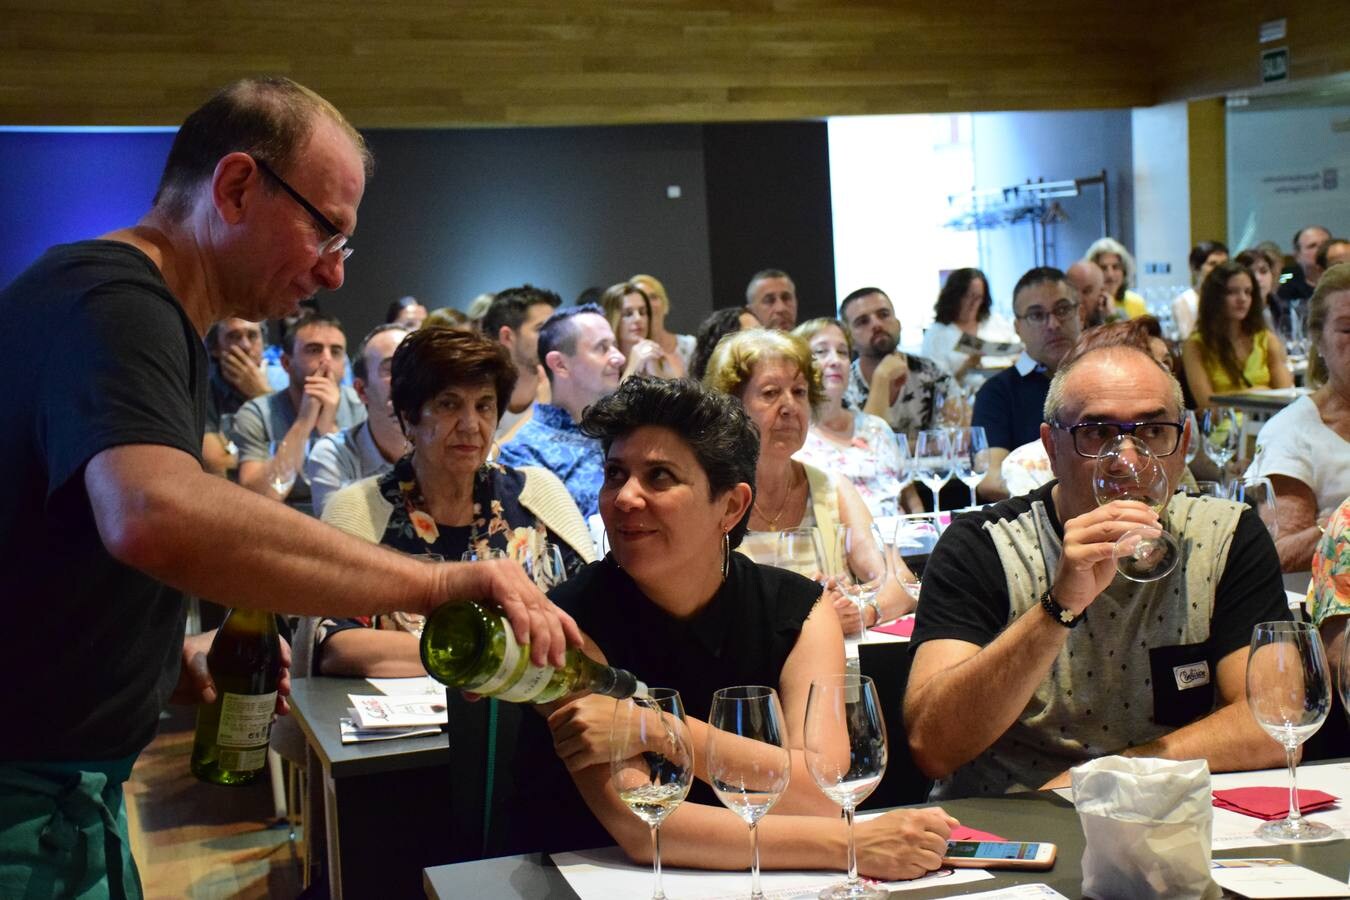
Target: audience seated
(1009, 405)
(1300, 279)
(235, 347)
(1305, 448)
(372, 446)
(718, 325)
(963, 307)
(1117, 267)
(1259, 265)
(1333, 252)
(1088, 282)
(513, 319)
(772, 374)
(629, 311)
(900, 388)
(314, 404)
(1231, 349)
(443, 498)
(1186, 307)
(407, 312)
(583, 364)
(848, 442)
(1032, 654)
(772, 298)
(682, 345)
(675, 605)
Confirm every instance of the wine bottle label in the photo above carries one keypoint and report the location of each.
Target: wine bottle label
(506, 670)
(245, 720)
(242, 760)
(529, 685)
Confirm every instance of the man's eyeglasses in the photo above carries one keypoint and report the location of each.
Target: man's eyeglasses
(1062, 312)
(336, 242)
(1090, 438)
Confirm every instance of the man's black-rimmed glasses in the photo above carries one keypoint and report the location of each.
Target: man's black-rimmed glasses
(1089, 438)
(336, 242)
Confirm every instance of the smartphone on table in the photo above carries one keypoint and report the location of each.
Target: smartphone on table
(999, 855)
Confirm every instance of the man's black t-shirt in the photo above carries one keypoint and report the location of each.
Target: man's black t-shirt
(96, 353)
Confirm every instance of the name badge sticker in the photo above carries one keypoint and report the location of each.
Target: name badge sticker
(1191, 675)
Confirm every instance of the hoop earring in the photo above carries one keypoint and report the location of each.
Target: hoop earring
(726, 555)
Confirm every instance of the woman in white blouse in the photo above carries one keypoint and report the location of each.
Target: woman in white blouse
(963, 307)
(1305, 448)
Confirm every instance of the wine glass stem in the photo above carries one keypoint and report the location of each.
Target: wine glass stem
(1295, 814)
(973, 501)
(936, 487)
(755, 892)
(658, 893)
(852, 849)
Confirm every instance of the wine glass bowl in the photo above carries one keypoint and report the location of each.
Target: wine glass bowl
(1127, 470)
(799, 550)
(651, 762)
(1289, 694)
(933, 461)
(846, 752)
(862, 566)
(749, 765)
(970, 456)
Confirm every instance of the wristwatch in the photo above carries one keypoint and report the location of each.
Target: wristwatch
(872, 604)
(1066, 617)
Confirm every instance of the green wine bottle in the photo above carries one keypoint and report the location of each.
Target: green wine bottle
(466, 646)
(230, 745)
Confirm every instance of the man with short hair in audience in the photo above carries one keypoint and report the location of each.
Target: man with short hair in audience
(1299, 282)
(583, 363)
(1008, 406)
(1333, 252)
(771, 297)
(372, 446)
(315, 404)
(1089, 283)
(235, 347)
(513, 319)
(1032, 654)
(899, 387)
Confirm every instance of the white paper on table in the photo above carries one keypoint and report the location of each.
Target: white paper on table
(607, 874)
(1233, 830)
(1019, 892)
(1268, 879)
(422, 684)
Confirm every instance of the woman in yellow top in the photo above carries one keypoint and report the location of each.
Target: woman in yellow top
(1117, 267)
(1231, 348)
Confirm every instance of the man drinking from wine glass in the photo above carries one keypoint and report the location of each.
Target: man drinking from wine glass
(1033, 654)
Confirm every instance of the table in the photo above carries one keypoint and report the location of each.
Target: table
(387, 806)
(1034, 817)
(1262, 402)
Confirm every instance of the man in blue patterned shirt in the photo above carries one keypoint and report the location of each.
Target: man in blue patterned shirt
(583, 364)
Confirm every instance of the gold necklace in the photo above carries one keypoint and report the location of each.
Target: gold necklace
(787, 495)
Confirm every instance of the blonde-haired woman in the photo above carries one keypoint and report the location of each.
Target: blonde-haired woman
(681, 345)
(629, 311)
(773, 375)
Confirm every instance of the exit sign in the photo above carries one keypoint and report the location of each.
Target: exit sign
(1275, 65)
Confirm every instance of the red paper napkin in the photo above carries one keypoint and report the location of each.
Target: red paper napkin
(964, 833)
(901, 627)
(1270, 803)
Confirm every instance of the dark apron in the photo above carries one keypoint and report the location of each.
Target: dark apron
(63, 831)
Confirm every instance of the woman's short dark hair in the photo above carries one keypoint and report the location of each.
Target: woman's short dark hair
(397, 307)
(718, 325)
(948, 305)
(714, 425)
(1203, 251)
(434, 358)
(1211, 322)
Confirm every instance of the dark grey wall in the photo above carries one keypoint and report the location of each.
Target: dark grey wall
(451, 214)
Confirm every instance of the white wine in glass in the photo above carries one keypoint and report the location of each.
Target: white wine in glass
(651, 762)
(845, 743)
(1289, 693)
(748, 761)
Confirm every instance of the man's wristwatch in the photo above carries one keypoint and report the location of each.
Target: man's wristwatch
(872, 604)
(1066, 617)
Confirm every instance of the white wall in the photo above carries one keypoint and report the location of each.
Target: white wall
(1287, 168)
(1162, 191)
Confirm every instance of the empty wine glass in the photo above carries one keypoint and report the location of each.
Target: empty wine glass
(799, 550)
(1127, 470)
(915, 538)
(845, 743)
(933, 461)
(1221, 428)
(282, 467)
(1259, 494)
(651, 762)
(906, 471)
(970, 456)
(545, 566)
(861, 554)
(748, 761)
(1193, 447)
(1289, 693)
